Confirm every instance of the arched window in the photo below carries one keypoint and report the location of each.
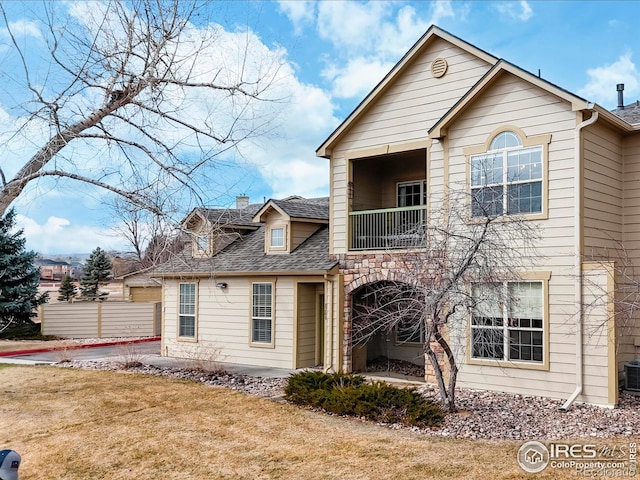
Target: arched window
(507, 179)
(504, 140)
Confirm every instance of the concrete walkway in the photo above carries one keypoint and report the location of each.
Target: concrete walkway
(147, 352)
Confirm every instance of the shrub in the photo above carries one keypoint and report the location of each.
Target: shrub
(351, 395)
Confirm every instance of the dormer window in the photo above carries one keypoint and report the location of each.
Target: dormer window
(276, 240)
(202, 241)
(277, 237)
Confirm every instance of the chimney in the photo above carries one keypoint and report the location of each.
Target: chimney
(620, 89)
(242, 201)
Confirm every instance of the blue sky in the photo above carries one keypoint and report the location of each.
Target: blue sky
(335, 52)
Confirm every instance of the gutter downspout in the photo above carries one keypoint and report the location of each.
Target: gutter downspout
(578, 249)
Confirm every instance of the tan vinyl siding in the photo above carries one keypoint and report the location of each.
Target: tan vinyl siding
(513, 102)
(224, 320)
(300, 231)
(404, 113)
(603, 191)
(629, 330)
(416, 100)
(306, 335)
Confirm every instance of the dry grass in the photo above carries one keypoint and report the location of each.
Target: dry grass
(74, 424)
(16, 345)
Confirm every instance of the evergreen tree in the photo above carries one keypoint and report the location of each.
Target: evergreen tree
(97, 271)
(67, 289)
(19, 277)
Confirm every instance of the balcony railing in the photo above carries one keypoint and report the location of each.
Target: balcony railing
(388, 229)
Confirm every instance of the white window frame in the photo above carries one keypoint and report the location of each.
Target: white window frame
(507, 323)
(187, 310)
(271, 237)
(423, 191)
(262, 313)
(506, 146)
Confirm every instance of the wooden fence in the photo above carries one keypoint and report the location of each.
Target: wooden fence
(101, 319)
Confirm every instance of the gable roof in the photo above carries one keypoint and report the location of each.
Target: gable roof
(227, 217)
(297, 208)
(500, 68)
(246, 255)
(432, 33)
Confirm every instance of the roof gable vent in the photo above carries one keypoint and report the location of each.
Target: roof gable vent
(439, 67)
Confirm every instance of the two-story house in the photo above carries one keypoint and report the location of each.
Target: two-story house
(251, 288)
(275, 284)
(424, 129)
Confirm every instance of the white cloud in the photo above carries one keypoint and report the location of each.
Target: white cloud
(370, 37)
(515, 10)
(23, 28)
(59, 235)
(357, 77)
(351, 25)
(441, 9)
(300, 13)
(601, 87)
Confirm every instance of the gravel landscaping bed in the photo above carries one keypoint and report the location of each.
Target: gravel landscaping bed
(481, 415)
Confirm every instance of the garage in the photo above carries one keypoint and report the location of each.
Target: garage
(145, 294)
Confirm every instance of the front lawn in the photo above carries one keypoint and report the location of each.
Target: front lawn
(77, 424)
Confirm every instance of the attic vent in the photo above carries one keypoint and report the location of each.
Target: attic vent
(439, 67)
(632, 376)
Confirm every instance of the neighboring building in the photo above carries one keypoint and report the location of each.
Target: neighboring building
(445, 107)
(252, 286)
(54, 270)
(141, 286)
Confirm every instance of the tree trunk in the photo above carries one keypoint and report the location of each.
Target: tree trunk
(453, 368)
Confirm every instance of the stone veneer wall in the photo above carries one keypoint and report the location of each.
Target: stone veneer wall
(361, 269)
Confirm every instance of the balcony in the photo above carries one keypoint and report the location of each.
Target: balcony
(387, 229)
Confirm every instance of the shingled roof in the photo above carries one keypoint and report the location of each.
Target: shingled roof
(242, 217)
(247, 255)
(297, 207)
(630, 113)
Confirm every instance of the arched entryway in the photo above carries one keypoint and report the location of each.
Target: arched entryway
(387, 334)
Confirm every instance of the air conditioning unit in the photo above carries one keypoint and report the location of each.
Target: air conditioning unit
(632, 376)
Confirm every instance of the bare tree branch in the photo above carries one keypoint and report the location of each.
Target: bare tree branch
(127, 73)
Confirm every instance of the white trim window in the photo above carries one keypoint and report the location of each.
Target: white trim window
(262, 313)
(187, 310)
(411, 194)
(508, 322)
(277, 237)
(507, 179)
(202, 242)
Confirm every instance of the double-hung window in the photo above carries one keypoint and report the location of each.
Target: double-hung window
(187, 310)
(508, 322)
(262, 313)
(507, 179)
(277, 237)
